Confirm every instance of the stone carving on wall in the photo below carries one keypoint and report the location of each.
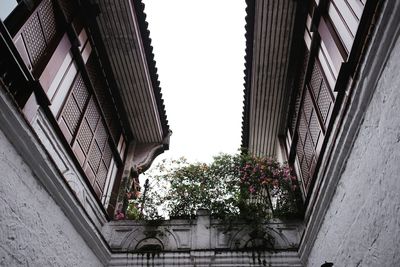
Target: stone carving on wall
(200, 233)
(65, 165)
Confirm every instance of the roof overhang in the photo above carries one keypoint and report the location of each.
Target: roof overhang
(270, 27)
(123, 30)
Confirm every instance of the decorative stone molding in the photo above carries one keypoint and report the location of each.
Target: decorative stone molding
(201, 235)
(64, 163)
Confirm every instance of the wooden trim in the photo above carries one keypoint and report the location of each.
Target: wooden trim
(54, 64)
(332, 43)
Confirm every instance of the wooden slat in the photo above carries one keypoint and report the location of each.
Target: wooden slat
(273, 37)
(119, 31)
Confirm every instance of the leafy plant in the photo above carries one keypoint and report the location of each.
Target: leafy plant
(237, 186)
(133, 212)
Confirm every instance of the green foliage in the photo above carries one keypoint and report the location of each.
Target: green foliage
(132, 212)
(231, 186)
(188, 187)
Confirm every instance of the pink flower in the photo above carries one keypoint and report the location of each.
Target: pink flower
(286, 172)
(252, 189)
(120, 215)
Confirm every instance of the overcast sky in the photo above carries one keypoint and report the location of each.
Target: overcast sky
(199, 48)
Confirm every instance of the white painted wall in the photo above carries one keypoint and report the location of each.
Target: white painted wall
(362, 223)
(34, 231)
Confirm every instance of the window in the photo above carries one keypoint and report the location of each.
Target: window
(86, 115)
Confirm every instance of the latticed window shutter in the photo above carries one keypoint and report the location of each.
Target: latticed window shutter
(317, 104)
(87, 134)
(327, 47)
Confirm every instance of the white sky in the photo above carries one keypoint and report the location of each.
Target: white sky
(199, 49)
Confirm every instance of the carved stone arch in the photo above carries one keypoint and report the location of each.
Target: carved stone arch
(235, 240)
(130, 241)
(171, 243)
(242, 238)
(259, 243)
(149, 244)
(280, 239)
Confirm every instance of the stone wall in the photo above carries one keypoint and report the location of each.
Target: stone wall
(203, 242)
(362, 224)
(34, 231)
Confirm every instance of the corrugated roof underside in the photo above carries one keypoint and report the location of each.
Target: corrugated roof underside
(119, 31)
(273, 29)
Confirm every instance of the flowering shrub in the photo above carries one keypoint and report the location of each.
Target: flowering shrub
(240, 186)
(267, 178)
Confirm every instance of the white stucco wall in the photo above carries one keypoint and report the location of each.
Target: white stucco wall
(34, 231)
(362, 223)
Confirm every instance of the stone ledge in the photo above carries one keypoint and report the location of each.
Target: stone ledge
(201, 233)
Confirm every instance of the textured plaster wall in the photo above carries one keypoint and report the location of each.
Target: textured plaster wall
(33, 229)
(362, 224)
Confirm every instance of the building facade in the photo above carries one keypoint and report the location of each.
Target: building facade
(319, 94)
(82, 115)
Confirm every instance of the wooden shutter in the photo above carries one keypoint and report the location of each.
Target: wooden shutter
(325, 51)
(36, 36)
(314, 112)
(104, 97)
(73, 109)
(85, 129)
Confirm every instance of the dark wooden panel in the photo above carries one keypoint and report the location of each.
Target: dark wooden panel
(39, 33)
(102, 175)
(85, 136)
(104, 97)
(92, 114)
(299, 88)
(107, 154)
(84, 127)
(101, 135)
(94, 157)
(80, 93)
(47, 19)
(310, 129)
(71, 115)
(34, 39)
